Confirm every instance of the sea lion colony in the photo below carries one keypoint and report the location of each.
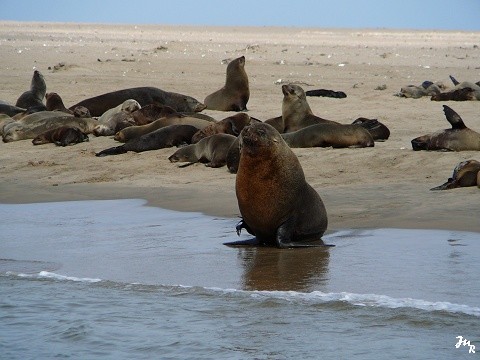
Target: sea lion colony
(173, 120)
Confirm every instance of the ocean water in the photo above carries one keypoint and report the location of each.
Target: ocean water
(121, 280)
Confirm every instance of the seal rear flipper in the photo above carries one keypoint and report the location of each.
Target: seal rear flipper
(112, 151)
(454, 81)
(450, 184)
(453, 118)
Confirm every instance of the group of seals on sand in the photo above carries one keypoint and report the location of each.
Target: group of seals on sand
(276, 203)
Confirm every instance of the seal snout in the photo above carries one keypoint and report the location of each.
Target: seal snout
(200, 107)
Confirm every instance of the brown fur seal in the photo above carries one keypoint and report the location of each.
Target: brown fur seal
(168, 136)
(463, 94)
(55, 103)
(150, 113)
(234, 95)
(326, 93)
(232, 125)
(427, 88)
(62, 136)
(133, 132)
(458, 138)
(35, 124)
(277, 205)
(466, 173)
(296, 112)
(33, 98)
(144, 95)
(379, 131)
(117, 118)
(326, 135)
(211, 150)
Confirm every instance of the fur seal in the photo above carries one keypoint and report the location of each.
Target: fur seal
(4, 121)
(10, 110)
(54, 102)
(234, 95)
(427, 88)
(211, 150)
(379, 131)
(34, 97)
(117, 118)
(144, 95)
(168, 136)
(458, 138)
(296, 112)
(133, 132)
(35, 124)
(232, 125)
(329, 135)
(326, 93)
(277, 204)
(466, 173)
(62, 136)
(463, 94)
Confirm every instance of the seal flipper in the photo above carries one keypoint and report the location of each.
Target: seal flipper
(454, 81)
(112, 151)
(285, 233)
(453, 118)
(249, 242)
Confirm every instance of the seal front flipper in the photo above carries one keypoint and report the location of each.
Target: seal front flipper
(454, 81)
(243, 225)
(453, 118)
(249, 242)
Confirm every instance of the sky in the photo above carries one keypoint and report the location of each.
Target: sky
(391, 14)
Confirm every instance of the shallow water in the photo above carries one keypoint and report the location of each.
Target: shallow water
(120, 280)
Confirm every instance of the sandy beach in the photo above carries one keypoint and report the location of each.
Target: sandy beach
(382, 187)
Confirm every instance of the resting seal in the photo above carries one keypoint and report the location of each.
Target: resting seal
(427, 88)
(62, 136)
(326, 135)
(458, 138)
(168, 136)
(296, 112)
(211, 150)
(326, 93)
(466, 173)
(234, 95)
(232, 125)
(34, 97)
(378, 130)
(117, 118)
(144, 95)
(134, 132)
(277, 205)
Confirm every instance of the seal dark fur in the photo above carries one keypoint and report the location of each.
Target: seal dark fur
(62, 136)
(34, 97)
(466, 173)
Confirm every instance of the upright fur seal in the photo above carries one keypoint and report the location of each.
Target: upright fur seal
(326, 135)
(55, 103)
(458, 138)
(466, 173)
(211, 150)
(277, 205)
(33, 97)
(144, 95)
(296, 112)
(168, 136)
(62, 136)
(234, 95)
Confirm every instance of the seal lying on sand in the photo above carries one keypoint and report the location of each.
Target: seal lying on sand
(326, 135)
(168, 136)
(117, 118)
(232, 125)
(458, 138)
(10, 110)
(35, 124)
(144, 95)
(326, 93)
(379, 131)
(211, 150)
(466, 173)
(62, 136)
(427, 88)
(277, 205)
(296, 112)
(234, 95)
(34, 97)
(464, 91)
(134, 132)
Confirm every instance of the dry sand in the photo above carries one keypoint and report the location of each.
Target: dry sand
(384, 186)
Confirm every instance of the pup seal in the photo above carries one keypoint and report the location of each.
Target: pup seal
(34, 97)
(211, 150)
(168, 136)
(277, 205)
(379, 131)
(458, 138)
(144, 95)
(326, 135)
(62, 136)
(54, 102)
(296, 112)
(117, 118)
(234, 95)
(466, 173)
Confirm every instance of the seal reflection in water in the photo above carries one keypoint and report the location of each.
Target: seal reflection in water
(277, 205)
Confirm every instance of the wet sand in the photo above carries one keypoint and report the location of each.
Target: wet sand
(382, 187)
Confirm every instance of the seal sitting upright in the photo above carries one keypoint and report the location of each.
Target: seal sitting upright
(277, 205)
(234, 95)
